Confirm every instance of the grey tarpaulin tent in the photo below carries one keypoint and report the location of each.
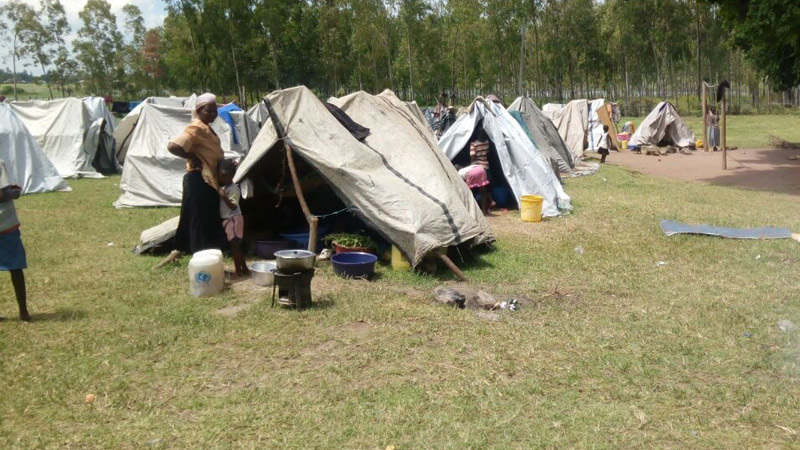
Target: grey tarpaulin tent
(663, 124)
(393, 180)
(544, 133)
(26, 163)
(525, 168)
(59, 127)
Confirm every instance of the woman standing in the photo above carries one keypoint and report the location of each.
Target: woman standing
(200, 227)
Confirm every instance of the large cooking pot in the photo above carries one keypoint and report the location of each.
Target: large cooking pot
(295, 260)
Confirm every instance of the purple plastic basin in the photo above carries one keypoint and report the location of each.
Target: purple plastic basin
(354, 264)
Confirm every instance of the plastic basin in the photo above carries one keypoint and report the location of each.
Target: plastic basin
(267, 249)
(300, 237)
(354, 264)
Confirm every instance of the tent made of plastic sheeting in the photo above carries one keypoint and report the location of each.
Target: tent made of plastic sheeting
(393, 180)
(151, 176)
(25, 162)
(526, 169)
(544, 134)
(100, 136)
(598, 117)
(580, 124)
(259, 114)
(663, 126)
(243, 129)
(124, 129)
(59, 127)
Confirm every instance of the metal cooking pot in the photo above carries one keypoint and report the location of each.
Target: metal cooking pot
(295, 260)
(262, 273)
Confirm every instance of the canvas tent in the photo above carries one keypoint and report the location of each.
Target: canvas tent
(26, 163)
(544, 134)
(151, 176)
(580, 124)
(100, 135)
(123, 131)
(258, 113)
(526, 169)
(393, 180)
(59, 127)
(663, 126)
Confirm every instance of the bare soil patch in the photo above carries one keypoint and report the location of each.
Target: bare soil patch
(771, 169)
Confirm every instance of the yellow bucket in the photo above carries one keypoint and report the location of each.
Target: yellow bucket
(399, 262)
(530, 207)
(624, 145)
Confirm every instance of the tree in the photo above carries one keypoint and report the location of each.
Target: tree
(17, 20)
(766, 30)
(151, 56)
(98, 44)
(58, 28)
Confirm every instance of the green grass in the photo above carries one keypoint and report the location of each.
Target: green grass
(747, 131)
(612, 351)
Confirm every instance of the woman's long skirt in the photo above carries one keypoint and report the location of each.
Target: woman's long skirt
(200, 226)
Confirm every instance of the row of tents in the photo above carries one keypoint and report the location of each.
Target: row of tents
(398, 179)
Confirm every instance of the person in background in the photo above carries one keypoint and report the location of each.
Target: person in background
(12, 253)
(605, 145)
(231, 213)
(713, 128)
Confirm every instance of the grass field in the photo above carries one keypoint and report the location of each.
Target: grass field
(640, 341)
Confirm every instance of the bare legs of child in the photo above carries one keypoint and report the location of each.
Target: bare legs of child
(238, 257)
(18, 280)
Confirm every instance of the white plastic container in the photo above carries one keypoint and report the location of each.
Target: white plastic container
(210, 252)
(206, 275)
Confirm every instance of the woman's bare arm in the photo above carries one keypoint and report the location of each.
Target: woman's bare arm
(177, 150)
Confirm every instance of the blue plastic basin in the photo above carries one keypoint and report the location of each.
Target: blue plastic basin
(300, 237)
(354, 264)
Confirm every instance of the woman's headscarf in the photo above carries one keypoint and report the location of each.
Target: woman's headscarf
(205, 99)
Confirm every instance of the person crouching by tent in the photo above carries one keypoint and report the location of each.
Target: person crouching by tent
(199, 226)
(713, 128)
(605, 145)
(479, 157)
(12, 253)
(477, 180)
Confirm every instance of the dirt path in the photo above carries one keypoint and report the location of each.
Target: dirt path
(757, 169)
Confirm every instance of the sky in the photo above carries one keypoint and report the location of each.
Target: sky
(153, 12)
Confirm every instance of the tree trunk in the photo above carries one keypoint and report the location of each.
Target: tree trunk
(14, 65)
(521, 58)
(410, 69)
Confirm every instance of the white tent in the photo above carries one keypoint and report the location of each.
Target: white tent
(580, 124)
(26, 163)
(544, 134)
(525, 168)
(663, 125)
(59, 127)
(151, 176)
(394, 180)
(122, 132)
(258, 113)
(100, 135)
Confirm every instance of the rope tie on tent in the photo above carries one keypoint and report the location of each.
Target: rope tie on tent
(333, 213)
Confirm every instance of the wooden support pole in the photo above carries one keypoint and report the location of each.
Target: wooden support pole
(724, 132)
(452, 266)
(705, 119)
(310, 218)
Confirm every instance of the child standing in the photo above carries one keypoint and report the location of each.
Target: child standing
(605, 144)
(231, 213)
(12, 253)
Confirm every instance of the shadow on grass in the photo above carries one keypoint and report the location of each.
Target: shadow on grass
(60, 315)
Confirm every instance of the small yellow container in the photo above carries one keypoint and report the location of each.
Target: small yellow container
(624, 145)
(530, 208)
(399, 262)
